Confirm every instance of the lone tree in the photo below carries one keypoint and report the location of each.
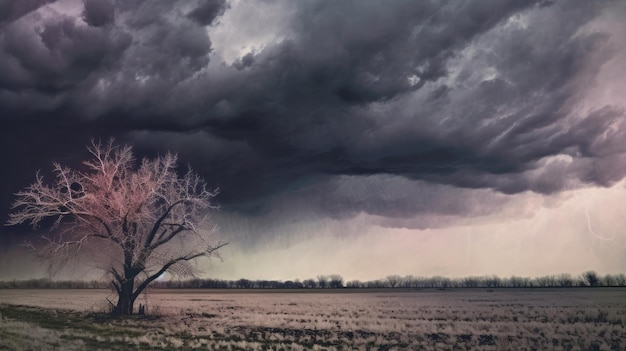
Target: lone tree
(135, 220)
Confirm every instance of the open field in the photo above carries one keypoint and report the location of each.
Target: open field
(460, 319)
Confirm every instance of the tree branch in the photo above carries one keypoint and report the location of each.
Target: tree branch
(157, 224)
(172, 262)
(181, 229)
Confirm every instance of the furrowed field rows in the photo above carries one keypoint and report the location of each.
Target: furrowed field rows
(462, 319)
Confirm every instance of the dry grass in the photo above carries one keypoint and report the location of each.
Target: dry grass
(464, 319)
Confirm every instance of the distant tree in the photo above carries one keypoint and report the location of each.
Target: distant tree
(543, 281)
(137, 221)
(322, 281)
(376, 284)
(620, 279)
(591, 278)
(263, 284)
(565, 280)
(354, 284)
(335, 281)
(518, 282)
(608, 280)
(440, 282)
(471, 282)
(274, 284)
(244, 284)
(309, 283)
(418, 282)
(394, 281)
(492, 281)
(406, 281)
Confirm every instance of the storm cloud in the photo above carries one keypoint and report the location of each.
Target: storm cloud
(388, 108)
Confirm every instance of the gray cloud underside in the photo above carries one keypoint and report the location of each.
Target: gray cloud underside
(473, 94)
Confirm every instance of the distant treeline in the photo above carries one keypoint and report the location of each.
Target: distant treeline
(336, 281)
(54, 284)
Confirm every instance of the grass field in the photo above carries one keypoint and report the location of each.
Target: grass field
(460, 319)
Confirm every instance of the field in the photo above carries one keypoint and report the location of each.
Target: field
(458, 319)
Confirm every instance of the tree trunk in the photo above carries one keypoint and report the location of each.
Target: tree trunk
(125, 299)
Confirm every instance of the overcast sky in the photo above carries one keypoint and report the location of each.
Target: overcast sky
(364, 138)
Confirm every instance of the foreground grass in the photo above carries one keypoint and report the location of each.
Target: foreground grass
(36, 328)
(577, 319)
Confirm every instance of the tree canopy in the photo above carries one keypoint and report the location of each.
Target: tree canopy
(137, 219)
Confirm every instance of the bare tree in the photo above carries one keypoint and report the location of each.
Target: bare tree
(393, 281)
(335, 281)
(137, 221)
(244, 284)
(322, 281)
(493, 281)
(309, 283)
(565, 280)
(620, 279)
(407, 281)
(355, 284)
(591, 278)
(546, 281)
(608, 280)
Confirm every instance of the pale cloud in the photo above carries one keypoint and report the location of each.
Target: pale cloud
(249, 27)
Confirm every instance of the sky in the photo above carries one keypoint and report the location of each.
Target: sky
(360, 138)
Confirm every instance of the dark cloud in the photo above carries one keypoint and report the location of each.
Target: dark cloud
(98, 13)
(473, 94)
(11, 10)
(207, 11)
